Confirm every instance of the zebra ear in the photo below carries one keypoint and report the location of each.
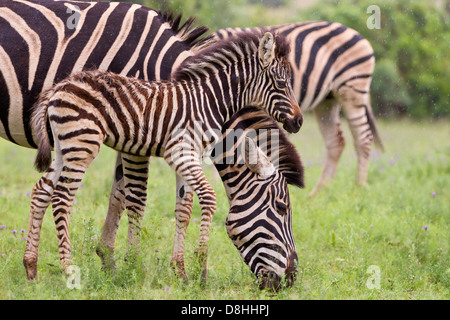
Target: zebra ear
(256, 160)
(267, 49)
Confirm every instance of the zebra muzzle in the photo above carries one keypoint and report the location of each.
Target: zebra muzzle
(293, 125)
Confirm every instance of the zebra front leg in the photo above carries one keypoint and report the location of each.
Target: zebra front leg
(40, 200)
(105, 246)
(183, 210)
(135, 175)
(190, 169)
(327, 116)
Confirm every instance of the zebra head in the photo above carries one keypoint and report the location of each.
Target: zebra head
(273, 91)
(259, 222)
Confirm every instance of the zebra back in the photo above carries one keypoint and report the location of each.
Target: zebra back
(44, 41)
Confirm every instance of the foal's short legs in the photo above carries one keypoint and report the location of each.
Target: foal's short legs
(183, 210)
(40, 200)
(190, 169)
(58, 186)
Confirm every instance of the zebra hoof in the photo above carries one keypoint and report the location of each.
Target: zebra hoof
(178, 269)
(107, 258)
(31, 268)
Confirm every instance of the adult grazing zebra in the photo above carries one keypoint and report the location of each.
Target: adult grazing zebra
(175, 120)
(261, 230)
(332, 67)
(43, 42)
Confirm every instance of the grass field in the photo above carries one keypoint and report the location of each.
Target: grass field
(388, 241)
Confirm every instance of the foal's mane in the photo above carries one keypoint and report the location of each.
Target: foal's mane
(238, 44)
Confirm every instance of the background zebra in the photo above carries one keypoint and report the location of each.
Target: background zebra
(332, 67)
(142, 119)
(39, 46)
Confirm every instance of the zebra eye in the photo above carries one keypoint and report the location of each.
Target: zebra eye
(281, 208)
(281, 84)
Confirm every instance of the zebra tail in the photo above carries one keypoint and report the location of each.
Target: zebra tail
(373, 128)
(39, 121)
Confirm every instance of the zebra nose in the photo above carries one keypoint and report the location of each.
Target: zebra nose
(293, 125)
(270, 280)
(299, 121)
(291, 269)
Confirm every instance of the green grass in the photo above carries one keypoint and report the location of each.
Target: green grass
(339, 234)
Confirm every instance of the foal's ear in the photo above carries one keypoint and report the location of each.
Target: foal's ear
(267, 49)
(256, 160)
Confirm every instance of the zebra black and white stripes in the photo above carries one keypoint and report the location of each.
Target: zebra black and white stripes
(261, 229)
(117, 110)
(38, 47)
(332, 67)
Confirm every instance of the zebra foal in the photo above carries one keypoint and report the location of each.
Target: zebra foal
(142, 119)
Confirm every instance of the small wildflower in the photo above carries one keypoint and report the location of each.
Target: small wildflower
(371, 225)
(28, 194)
(2, 226)
(22, 230)
(24, 238)
(167, 288)
(425, 228)
(14, 231)
(434, 194)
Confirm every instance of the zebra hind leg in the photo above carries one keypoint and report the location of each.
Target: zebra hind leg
(40, 200)
(75, 154)
(327, 116)
(356, 111)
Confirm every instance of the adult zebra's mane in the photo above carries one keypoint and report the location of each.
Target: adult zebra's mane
(289, 161)
(190, 35)
(242, 44)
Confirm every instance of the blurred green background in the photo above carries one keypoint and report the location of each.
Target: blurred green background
(412, 73)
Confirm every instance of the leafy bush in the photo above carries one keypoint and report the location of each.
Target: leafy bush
(411, 49)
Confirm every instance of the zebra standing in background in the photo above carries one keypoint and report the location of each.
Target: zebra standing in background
(332, 67)
(141, 119)
(38, 46)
